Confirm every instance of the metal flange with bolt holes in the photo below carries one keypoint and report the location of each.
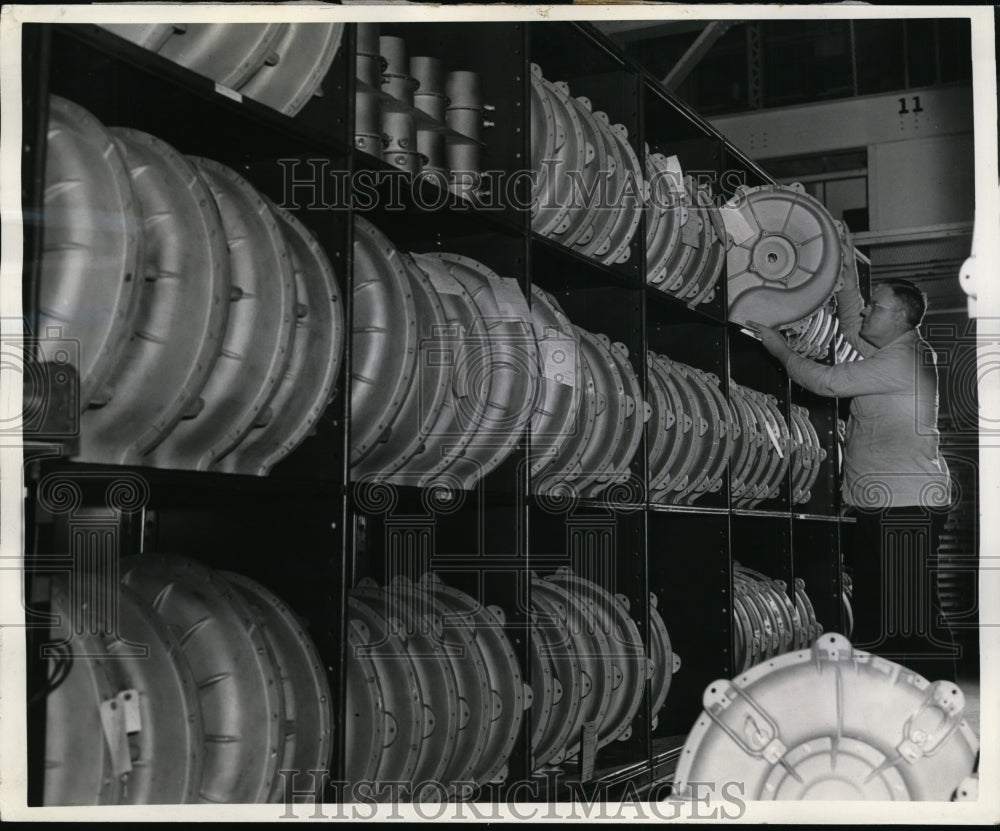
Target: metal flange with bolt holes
(873, 730)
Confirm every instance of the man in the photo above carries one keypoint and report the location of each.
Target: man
(893, 473)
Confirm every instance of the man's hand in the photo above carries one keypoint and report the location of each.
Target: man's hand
(771, 338)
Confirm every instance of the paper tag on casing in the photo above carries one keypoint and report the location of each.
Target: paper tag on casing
(737, 227)
(774, 438)
(116, 736)
(128, 700)
(557, 360)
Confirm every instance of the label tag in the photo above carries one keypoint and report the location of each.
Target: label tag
(737, 226)
(128, 700)
(229, 93)
(443, 282)
(588, 750)
(510, 300)
(556, 355)
(116, 736)
(774, 438)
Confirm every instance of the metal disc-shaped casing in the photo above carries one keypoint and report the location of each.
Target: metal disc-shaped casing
(317, 348)
(435, 677)
(228, 53)
(472, 676)
(404, 717)
(308, 705)
(366, 726)
(461, 343)
(662, 656)
(304, 52)
(509, 697)
(139, 661)
(147, 35)
(609, 426)
(667, 193)
(873, 730)
(786, 254)
(239, 693)
(257, 340)
(408, 431)
(552, 642)
(176, 333)
(384, 338)
(89, 286)
(592, 650)
(512, 366)
(560, 379)
(636, 414)
(627, 652)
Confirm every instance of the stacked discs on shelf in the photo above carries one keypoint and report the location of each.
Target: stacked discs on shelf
(435, 698)
(760, 456)
(807, 454)
(872, 730)
(692, 431)
(420, 418)
(415, 114)
(282, 65)
(425, 421)
(592, 449)
(195, 686)
(588, 191)
(591, 666)
(685, 238)
(768, 622)
(435, 694)
(220, 337)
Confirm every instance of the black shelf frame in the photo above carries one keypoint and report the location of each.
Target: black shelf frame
(344, 538)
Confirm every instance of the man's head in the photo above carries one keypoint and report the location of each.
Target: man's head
(897, 306)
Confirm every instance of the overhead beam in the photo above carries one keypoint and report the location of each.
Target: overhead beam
(696, 51)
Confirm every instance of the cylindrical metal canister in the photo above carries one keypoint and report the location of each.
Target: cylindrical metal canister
(432, 144)
(400, 131)
(369, 143)
(400, 87)
(429, 73)
(464, 158)
(367, 113)
(369, 64)
(431, 103)
(393, 49)
(464, 90)
(410, 162)
(465, 121)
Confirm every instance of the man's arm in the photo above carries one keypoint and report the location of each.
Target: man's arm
(878, 374)
(850, 303)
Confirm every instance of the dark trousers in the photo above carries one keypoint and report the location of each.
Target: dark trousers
(897, 611)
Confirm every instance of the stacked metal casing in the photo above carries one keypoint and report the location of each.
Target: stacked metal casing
(435, 694)
(414, 114)
(807, 454)
(219, 333)
(589, 666)
(692, 431)
(761, 453)
(585, 433)
(872, 730)
(196, 686)
(424, 421)
(686, 240)
(420, 418)
(767, 621)
(281, 65)
(584, 166)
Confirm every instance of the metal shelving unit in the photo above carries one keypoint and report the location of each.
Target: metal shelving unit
(305, 531)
